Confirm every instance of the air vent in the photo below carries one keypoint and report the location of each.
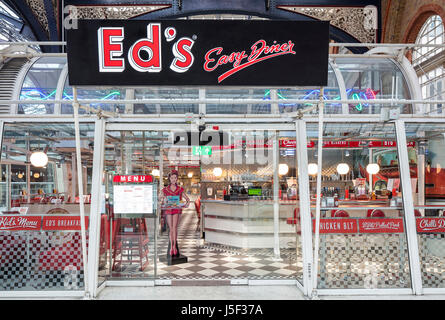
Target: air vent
(8, 77)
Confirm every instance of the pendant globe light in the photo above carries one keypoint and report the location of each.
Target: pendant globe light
(372, 168)
(342, 168)
(39, 159)
(312, 168)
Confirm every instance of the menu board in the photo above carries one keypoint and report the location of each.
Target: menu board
(133, 199)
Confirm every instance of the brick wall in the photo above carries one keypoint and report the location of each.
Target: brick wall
(402, 19)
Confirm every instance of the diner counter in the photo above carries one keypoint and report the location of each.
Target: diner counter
(246, 224)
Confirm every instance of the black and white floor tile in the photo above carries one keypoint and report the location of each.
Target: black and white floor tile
(216, 262)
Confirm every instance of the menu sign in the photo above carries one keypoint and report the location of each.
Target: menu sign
(381, 225)
(430, 225)
(63, 223)
(337, 225)
(132, 178)
(17, 223)
(133, 199)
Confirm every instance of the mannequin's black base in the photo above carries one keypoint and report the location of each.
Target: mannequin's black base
(172, 260)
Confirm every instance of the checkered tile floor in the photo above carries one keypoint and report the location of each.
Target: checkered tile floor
(216, 262)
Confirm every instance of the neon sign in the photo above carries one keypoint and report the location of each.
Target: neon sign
(352, 94)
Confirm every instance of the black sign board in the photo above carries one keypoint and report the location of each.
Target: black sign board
(198, 52)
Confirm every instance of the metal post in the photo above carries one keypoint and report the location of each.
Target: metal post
(80, 185)
(96, 205)
(305, 205)
(318, 200)
(410, 222)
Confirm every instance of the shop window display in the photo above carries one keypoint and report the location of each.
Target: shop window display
(40, 210)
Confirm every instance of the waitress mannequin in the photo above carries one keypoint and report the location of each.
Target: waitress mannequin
(172, 215)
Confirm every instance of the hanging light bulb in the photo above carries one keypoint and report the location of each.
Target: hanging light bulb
(20, 175)
(36, 175)
(372, 168)
(283, 168)
(39, 159)
(155, 173)
(343, 168)
(217, 172)
(312, 168)
(190, 174)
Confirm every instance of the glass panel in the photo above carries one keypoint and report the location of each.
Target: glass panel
(426, 143)
(331, 92)
(41, 84)
(223, 93)
(369, 79)
(240, 218)
(40, 231)
(96, 94)
(362, 231)
(166, 93)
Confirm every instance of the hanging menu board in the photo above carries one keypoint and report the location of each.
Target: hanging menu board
(134, 194)
(133, 199)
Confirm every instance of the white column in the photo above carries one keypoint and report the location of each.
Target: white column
(410, 222)
(276, 202)
(96, 205)
(318, 200)
(80, 186)
(304, 204)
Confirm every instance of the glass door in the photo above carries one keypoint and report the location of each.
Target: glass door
(128, 228)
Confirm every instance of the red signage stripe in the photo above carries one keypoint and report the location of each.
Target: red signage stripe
(59, 223)
(430, 225)
(19, 223)
(379, 225)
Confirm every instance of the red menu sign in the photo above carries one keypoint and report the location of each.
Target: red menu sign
(430, 225)
(337, 225)
(15, 223)
(133, 178)
(381, 225)
(63, 223)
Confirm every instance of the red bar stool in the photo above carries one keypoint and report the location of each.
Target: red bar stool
(131, 235)
(341, 214)
(376, 213)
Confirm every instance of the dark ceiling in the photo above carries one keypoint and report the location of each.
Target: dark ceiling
(44, 18)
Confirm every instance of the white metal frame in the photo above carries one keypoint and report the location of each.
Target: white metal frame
(165, 122)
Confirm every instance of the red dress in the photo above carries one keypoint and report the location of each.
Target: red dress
(168, 192)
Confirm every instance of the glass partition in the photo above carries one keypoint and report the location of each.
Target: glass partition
(166, 93)
(426, 152)
(106, 94)
(40, 215)
(370, 79)
(41, 84)
(331, 92)
(362, 229)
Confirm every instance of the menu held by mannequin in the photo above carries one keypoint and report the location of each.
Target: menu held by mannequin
(133, 199)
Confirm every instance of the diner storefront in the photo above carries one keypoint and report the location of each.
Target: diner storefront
(251, 160)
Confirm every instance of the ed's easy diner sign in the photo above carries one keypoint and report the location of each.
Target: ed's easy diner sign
(198, 52)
